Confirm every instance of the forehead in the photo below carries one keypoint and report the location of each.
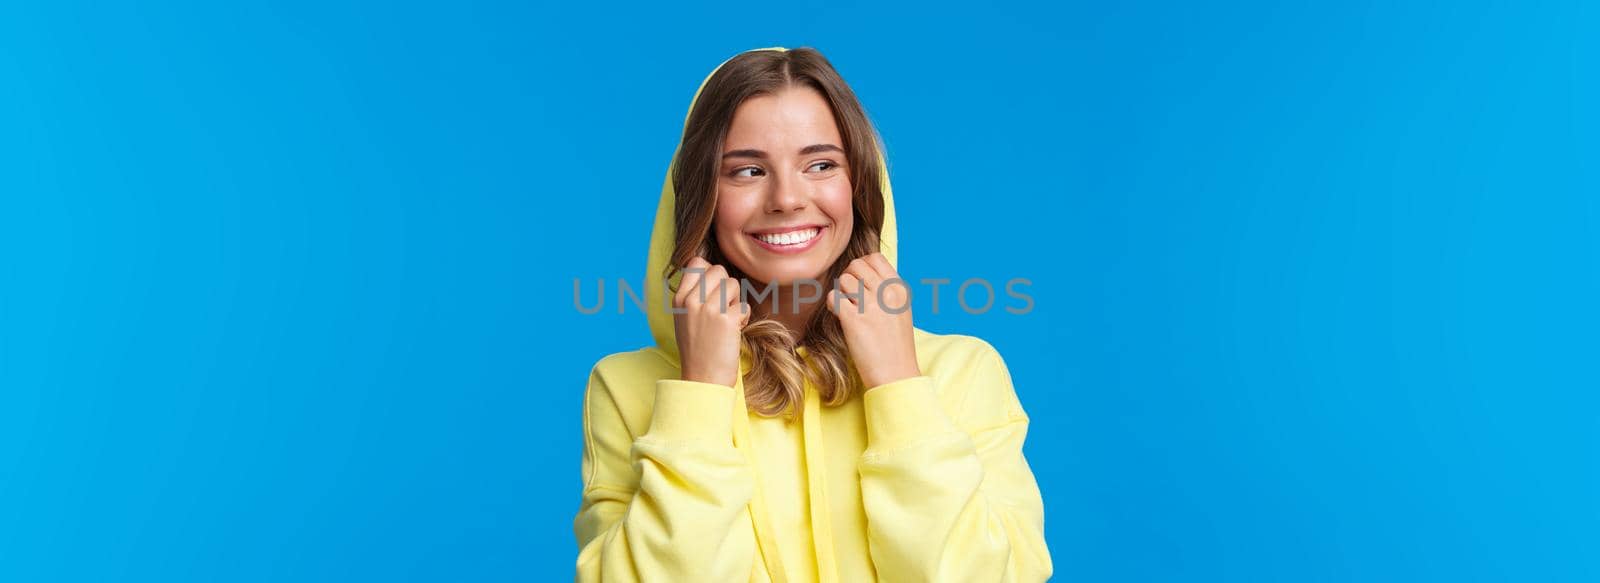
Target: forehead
(796, 116)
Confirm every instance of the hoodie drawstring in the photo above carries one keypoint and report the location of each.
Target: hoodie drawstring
(816, 476)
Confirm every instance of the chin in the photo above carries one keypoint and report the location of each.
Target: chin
(784, 279)
(785, 271)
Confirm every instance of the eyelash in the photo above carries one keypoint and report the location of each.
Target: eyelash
(736, 171)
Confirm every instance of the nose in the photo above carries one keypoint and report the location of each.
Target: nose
(787, 194)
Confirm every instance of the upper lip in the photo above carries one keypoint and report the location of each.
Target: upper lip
(789, 229)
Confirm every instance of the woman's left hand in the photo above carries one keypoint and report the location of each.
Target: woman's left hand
(877, 324)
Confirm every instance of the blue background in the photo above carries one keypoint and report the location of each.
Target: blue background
(287, 288)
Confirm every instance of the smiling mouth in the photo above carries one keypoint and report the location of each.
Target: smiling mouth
(789, 241)
(797, 237)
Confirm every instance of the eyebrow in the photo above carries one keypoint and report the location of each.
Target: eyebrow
(811, 149)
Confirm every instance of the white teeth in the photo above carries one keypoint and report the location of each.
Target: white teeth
(790, 238)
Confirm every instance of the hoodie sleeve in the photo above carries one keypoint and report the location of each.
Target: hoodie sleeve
(946, 502)
(669, 505)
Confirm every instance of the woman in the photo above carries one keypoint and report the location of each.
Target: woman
(773, 436)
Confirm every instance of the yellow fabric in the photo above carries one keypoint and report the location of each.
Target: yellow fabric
(922, 479)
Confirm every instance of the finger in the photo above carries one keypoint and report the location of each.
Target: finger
(839, 303)
(707, 294)
(692, 274)
(849, 283)
(863, 272)
(700, 292)
(850, 288)
(882, 265)
(732, 284)
(725, 295)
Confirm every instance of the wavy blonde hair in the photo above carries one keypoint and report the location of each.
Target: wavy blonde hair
(775, 384)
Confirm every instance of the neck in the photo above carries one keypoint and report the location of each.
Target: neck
(781, 305)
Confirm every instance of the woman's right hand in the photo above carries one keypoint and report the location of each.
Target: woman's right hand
(708, 330)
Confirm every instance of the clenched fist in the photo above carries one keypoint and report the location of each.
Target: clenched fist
(708, 329)
(877, 324)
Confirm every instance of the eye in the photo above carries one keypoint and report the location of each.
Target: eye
(830, 165)
(739, 173)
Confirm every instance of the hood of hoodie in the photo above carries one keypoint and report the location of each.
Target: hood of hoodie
(663, 236)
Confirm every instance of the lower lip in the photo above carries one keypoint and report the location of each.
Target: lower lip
(791, 249)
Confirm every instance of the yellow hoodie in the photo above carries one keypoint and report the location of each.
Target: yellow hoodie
(921, 479)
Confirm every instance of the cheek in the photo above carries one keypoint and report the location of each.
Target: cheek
(734, 210)
(837, 203)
